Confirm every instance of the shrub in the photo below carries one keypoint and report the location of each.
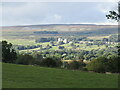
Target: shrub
(103, 64)
(114, 64)
(38, 59)
(84, 69)
(81, 65)
(76, 65)
(61, 47)
(48, 62)
(65, 65)
(98, 65)
(73, 65)
(59, 63)
(25, 59)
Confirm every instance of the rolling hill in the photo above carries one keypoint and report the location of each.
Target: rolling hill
(27, 31)
(58, 27)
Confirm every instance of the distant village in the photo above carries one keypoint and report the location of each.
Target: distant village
(65, 41)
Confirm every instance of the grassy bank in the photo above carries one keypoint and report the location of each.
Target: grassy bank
(20, 76)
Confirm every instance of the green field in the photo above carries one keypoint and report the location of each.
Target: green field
(24, 42)
(21, 76)
(27, 42)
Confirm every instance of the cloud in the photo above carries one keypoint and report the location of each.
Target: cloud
(60, 0)
(52, 19)
(106, 8)
(26, 13)
(21, 13)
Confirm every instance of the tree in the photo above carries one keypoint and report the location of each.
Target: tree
(25, 59)
(59, 63)
(38, 57)
(73, 65)
(9, 55)
(48, 62)
(114, 15)
(52, 43)
(113, 64)
(76, 65)
(61, 47)
(98, 65)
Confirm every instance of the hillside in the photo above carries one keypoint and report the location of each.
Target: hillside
(57, 27)
(20, 76)
(28, 31)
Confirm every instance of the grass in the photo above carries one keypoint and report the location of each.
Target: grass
(67, 46)
(21, 76)
(89, 48)
(24, 42)
(17, 34)
(98, 37)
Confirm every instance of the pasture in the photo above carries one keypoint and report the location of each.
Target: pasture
(21, 76)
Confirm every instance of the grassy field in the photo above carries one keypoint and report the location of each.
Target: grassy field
(20, 76)
(27, 42)
(67, 46)
(98, 37)
(24, 42)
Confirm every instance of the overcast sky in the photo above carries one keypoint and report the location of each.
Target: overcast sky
(29, 13)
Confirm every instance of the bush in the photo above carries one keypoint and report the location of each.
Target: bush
(73, 65)
(25, 59)
(84, 69)
(98, 65)
(81, 64)
(59, 63)
(49, 62)
(102, 64)
(113, 64)
(61, 47)
(65, 65)
(76, 65)
(38, 59)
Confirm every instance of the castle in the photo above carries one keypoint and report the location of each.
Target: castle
(63, 40)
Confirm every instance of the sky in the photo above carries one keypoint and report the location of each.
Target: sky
(34, 13)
